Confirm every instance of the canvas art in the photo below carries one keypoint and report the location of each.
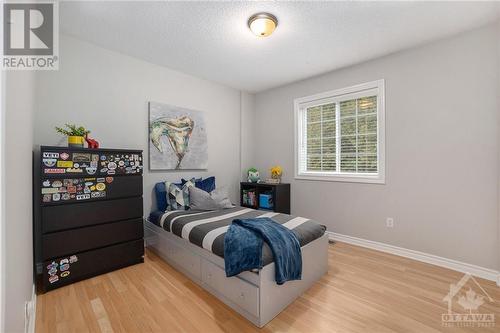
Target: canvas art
(177, 138)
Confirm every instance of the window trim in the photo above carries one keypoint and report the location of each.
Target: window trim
(300, 103)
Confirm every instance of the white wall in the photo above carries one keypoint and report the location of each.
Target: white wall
(441, 150)
(247, 132)
(17, 251)
(109, 92)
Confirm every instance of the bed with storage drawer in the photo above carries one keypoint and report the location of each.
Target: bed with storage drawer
(193, 242)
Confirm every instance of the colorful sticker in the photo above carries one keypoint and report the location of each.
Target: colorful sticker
(56, 196)
(47, 197)
(64, 267)
(53, 271)
(52, 265)
(100, 186)
(46, 183)
(49, 190)
(82, 196)
(95, 157)
(81, 158)
(64, 164)
(64, 274)
(74, 170)
(112, 165)
(64, 156)
(50, 155)
(50, 162)
(91, 171)
(64, 261)
(109, 180)
(57, 183)
(65, 196)
(53, 278)
(54, 170)
(73, 259)
(71, 189)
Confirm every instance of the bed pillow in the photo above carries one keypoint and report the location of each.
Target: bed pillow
(178, 197)
(207, 185)
(161, 196)
(202, 200)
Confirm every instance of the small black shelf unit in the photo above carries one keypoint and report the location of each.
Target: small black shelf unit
(88, 213)
(280, 194)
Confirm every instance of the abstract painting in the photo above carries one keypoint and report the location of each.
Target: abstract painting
(177, 138)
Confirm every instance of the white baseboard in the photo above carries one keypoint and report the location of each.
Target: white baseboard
(485, 273)
(30, 313)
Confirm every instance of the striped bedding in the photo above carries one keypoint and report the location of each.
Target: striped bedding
(206, 229)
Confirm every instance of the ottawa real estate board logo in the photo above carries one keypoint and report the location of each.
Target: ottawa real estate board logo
(30, 35)
(467, 305)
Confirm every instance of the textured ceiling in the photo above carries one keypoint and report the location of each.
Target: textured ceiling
(211, 39)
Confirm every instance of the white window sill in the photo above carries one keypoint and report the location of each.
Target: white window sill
(375, 179)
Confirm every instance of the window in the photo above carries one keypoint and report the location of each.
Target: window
(340, 135)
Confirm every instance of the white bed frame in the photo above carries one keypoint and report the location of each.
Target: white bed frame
(256, 296)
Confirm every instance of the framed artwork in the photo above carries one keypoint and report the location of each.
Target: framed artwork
(177, 138)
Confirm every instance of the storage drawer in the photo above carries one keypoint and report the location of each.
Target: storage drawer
(62, 217)
(240, 292)
(58, 191)
(85, 162)
(186, 259)
(82, 239)
(65, 270)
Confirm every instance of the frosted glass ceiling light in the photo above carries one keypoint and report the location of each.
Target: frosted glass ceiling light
(262, 24)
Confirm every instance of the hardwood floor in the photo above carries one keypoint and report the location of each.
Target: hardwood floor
(364, 291)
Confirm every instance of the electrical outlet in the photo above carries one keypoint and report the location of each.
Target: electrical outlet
(389, 223)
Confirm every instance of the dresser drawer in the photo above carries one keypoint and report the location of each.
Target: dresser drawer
(240, 292)
(62, 217)
(82, 239)
(62, 191)
(65, 270)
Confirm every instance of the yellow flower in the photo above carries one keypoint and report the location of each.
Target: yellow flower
(276, 171)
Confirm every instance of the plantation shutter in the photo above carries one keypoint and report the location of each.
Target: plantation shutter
(339, 136)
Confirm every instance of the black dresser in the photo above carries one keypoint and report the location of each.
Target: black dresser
(88, 213)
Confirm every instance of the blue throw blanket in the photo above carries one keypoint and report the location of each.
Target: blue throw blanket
(243, 248)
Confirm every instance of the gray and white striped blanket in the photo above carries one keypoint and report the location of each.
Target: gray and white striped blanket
(207, 229)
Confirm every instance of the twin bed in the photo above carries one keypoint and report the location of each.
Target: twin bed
(193, 242)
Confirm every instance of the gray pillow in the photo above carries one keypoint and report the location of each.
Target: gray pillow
(215, 200)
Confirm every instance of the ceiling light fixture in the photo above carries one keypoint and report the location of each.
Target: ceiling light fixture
(262, 24)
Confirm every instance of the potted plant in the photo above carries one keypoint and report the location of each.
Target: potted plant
(76, 135)
(276, 172)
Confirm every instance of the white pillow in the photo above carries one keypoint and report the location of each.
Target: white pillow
(202, 200)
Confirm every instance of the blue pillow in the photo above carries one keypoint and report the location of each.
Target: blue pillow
(161, 196)
(207, 185)
(183, 181)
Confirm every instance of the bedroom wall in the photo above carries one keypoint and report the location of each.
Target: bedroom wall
(109, 92)
(16, 251)
(247, 132)
(441, 150)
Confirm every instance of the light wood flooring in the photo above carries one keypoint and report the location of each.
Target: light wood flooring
(364, 291)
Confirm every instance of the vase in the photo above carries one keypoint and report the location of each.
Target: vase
(277, 179)
(75, 141)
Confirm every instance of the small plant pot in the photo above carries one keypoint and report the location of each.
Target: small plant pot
(76, 141)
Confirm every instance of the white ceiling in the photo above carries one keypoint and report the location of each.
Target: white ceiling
(211, 39)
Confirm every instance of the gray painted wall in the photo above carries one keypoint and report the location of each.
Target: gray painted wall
(17, 252)
(109, 92)
(441, 150)
(247, 132)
